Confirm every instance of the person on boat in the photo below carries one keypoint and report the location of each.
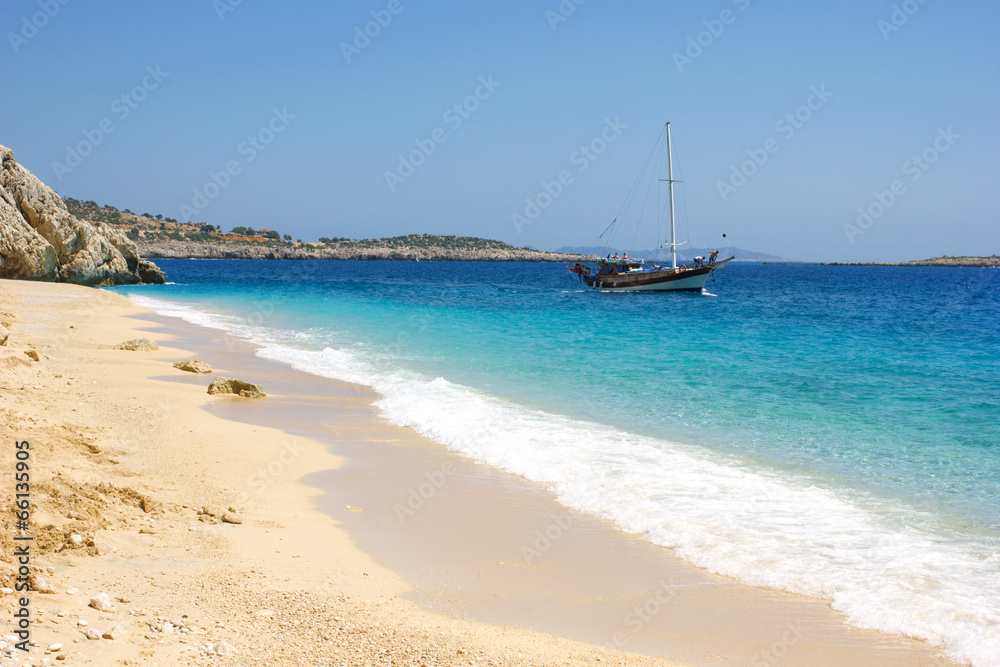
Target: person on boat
(616, 257)
(698, 260)
(712, 255)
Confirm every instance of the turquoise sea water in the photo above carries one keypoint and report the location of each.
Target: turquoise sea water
(833, 431)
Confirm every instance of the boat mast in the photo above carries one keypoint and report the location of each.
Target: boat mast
(670, 178)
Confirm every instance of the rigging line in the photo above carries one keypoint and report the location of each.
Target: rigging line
(645, 199)
(632, 190)
(593, 244)
(606, 229)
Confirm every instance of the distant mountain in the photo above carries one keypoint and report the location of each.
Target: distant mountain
(684, 254)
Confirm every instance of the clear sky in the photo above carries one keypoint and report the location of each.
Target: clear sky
(287, 116)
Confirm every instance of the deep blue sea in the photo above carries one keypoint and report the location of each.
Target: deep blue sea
(833, 431)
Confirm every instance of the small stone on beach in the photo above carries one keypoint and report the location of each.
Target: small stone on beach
(223, 648)
(39, 584)
(102, 602)
(193, 366)
(33, 355)
(140, 344)
(239, 387)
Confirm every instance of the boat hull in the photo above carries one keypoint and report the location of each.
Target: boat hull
(689, 280)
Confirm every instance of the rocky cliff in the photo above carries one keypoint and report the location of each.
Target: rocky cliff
(41, 240)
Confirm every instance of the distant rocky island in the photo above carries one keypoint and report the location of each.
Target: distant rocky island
(945, 260)
(165, 238)
(41, 240)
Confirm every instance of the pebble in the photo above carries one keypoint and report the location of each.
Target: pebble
(43, 586)
(91, 633)
(83, 622)
(75, 539)
(73, 590)
(55, 647)
(102, 602)
(223, 648)
(117, 632)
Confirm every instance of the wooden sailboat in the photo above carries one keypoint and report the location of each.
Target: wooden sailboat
(632, 275)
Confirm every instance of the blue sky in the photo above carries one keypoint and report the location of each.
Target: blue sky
(256, 114)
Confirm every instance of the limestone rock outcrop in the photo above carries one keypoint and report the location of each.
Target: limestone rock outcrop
(238, 387)
(138, 344)
(193, 366)
(41, 240)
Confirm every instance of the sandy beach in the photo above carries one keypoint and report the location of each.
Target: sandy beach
(301, 530)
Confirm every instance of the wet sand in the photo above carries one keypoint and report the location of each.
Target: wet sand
(479, 543)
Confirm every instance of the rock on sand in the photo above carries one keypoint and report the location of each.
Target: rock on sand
(141, 344)
(102, 602)
(239, 387)
(193, 366)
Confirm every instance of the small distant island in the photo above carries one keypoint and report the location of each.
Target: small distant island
(944, 260)
(158, 237)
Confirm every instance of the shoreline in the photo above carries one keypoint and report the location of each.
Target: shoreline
(337, 442)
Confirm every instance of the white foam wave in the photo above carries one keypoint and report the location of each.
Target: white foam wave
(755, 526)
